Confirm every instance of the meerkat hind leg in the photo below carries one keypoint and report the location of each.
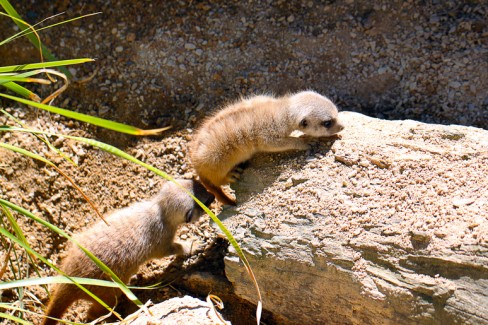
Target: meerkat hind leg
(236, 173)
(233, 175)
(110, 297)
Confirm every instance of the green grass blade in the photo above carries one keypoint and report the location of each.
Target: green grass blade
(41, 137)
(61, 279)
(107, 124)
(18, 232)
(25, 32)
(25, 153)
(32, 37)
(24, 92)
(24, 77)
(13, 318)
(15, 76)
(122, 154)
(99, 263)
(31, 251)
(54, 280)
(22, 32)
(15, 308)
(5, 79)
(51, 64)
(230, 237)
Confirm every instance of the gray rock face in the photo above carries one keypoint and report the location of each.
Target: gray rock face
(387, 225)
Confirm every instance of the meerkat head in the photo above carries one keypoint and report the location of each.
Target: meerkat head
(180, 206)
(314, 114)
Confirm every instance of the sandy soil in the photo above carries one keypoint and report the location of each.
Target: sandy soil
(109, 182)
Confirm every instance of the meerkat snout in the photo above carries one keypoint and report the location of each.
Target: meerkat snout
(135, 234)
(205, 197)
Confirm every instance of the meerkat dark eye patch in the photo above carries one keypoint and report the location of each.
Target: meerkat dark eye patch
(327, 124)
(188, 215)
(303, 123)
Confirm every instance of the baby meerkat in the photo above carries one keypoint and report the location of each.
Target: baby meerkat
(135, 234)
(257, 124)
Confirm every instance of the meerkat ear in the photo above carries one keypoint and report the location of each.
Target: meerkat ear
(303, 123)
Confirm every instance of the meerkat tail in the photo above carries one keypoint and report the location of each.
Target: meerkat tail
(217, 191)
(58, 303)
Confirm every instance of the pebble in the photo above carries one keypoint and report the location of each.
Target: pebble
(459, 202)
(131, 37)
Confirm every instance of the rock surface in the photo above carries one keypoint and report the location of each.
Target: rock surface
(185, 310)
(387, 225)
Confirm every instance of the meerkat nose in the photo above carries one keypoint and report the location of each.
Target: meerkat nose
(209, 200)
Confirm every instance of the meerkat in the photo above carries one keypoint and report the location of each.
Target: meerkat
(257, 124)
(135, 234)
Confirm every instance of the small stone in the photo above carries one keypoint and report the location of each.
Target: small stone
(297, 180)
(420, 239)
(190, 46)
(290, 19)
(455, 84)
(440, 234)
(72, 71)
(459, 202)
(119, 49)
(357, 232)
(131, 37)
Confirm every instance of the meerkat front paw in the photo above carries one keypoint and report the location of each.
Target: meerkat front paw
(188, 248)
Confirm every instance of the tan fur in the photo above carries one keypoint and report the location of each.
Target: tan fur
(261, 123)
(135, 234)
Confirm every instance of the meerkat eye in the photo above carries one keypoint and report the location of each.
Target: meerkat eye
(327, 124)
(188, 215)
(303, 123)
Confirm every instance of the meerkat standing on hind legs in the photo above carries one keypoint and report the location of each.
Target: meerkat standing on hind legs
(257, 124)
(136, 234)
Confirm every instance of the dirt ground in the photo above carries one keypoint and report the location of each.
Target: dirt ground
(109, 182)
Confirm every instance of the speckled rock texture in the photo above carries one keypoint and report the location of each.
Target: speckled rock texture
(387, 225)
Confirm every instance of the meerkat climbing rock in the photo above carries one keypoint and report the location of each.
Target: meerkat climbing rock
(257, 124)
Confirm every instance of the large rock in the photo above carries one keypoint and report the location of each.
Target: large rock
(387, 225)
